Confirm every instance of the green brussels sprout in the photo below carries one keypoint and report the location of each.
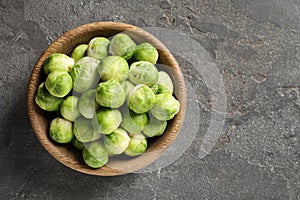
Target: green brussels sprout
(59, 83)
(45, 100)
(113, 68)
(165, 107)
(69, 108)
(77, 144)
(84, 74)
(95, 155)
(132, 122)
(141, 99)
(79, 52)
(107, 120)
(116, 142)
(155, 127)
(146, 52)
(87, 104)
(98, 47)
(137, 145)
(58, 61)
(84, 131)
(122, 45)
(164, 84)
(110, 94)
(128, 87)
(61, 130)
(143, 72)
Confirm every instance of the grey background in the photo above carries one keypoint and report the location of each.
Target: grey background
(256, 45)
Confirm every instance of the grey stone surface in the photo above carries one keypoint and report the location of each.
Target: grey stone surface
(255, 45)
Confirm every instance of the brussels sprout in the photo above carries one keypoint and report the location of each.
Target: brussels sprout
(164, 84)
(58, 61)
(113, 68)
(61, 130)
(79, 52)
(137, 145)
(59, 83)
(95, 155)
(69, 108)
(84, 131)
(98, 48)
(84, 74)
(141, 99)
(165, 107)
(146, 52)
(116, 142)
(127, 86)
(132, 122)
(110, 94)
(155, 127)
(122, 45)
(107, 120)
(87, 104)
(45, 100)
(77, 144)
(143, 72)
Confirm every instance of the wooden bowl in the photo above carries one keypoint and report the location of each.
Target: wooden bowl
(65, 153)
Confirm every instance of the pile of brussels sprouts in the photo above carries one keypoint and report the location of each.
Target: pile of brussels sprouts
(109, 98)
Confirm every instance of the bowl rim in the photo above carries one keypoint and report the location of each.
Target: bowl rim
(114, 168)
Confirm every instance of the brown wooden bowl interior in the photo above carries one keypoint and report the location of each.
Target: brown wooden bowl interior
(65, 153)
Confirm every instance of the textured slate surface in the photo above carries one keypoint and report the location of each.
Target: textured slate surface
(256, 46)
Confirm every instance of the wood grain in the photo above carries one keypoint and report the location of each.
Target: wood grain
(64, 153)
